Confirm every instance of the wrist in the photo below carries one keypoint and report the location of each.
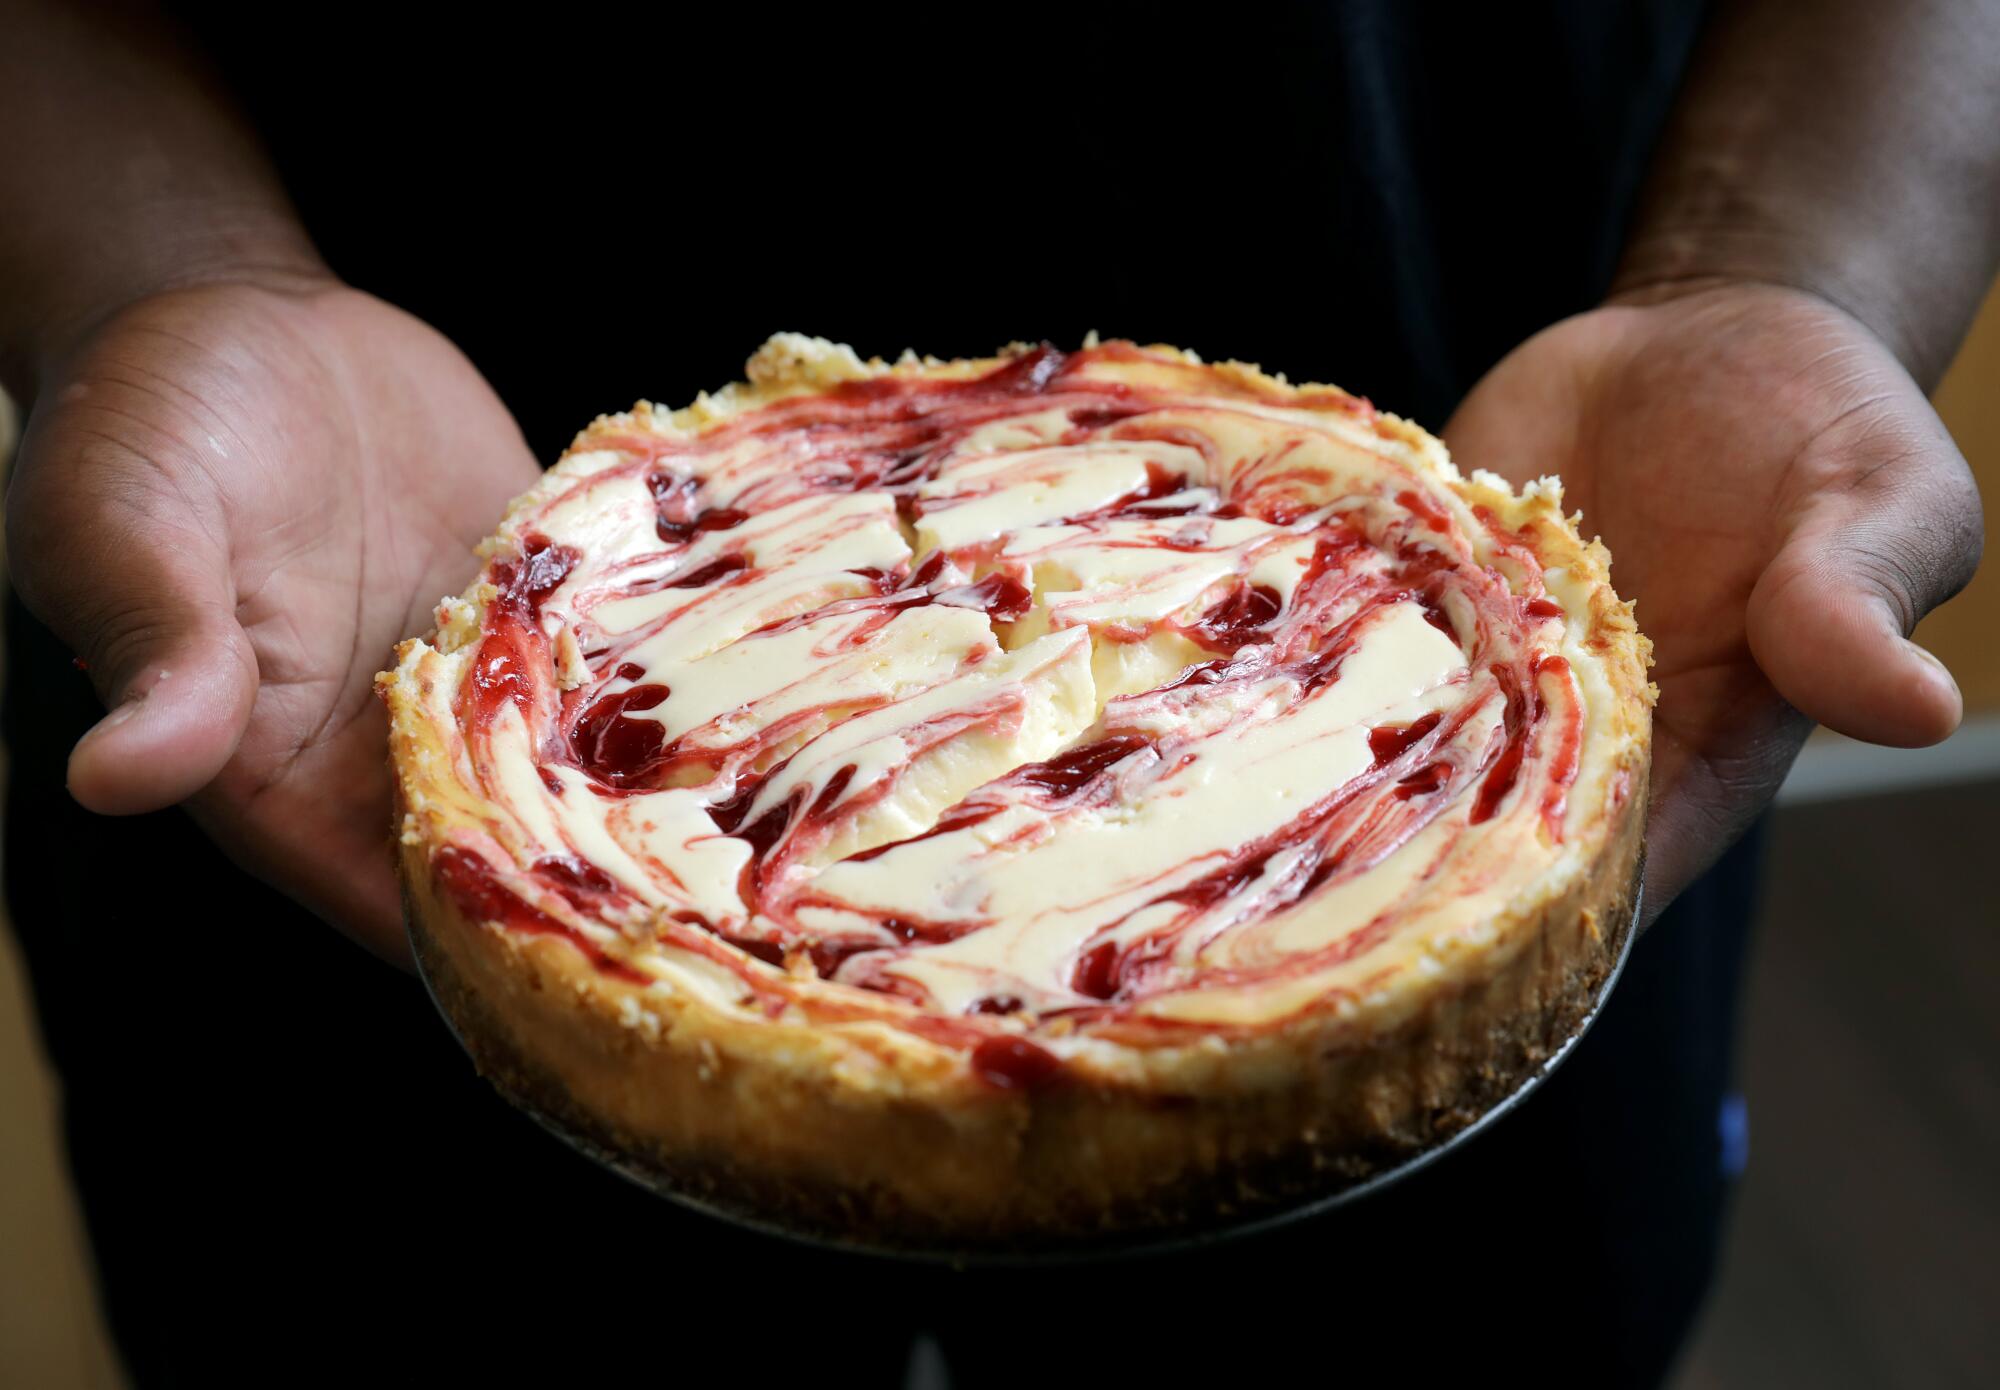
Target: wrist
(1666, 260)
(1665, 264)
(161, 248)
(1843, 150)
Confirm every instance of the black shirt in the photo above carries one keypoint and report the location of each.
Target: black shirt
(1383, 195)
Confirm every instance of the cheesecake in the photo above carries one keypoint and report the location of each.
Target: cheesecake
(995, 803)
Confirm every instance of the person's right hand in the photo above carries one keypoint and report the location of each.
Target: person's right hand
(231, 501)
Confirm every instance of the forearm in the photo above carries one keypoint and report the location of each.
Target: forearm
(123, 169)
(1847, 148)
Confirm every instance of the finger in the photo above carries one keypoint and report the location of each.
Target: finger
(349, 881)
(1707, 792)
(1829, 620)
(126, 574)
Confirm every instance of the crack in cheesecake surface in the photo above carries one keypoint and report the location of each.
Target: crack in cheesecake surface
(1085, 695)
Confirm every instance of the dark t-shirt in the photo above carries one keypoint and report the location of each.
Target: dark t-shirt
(287, 1167)
(1384, 195)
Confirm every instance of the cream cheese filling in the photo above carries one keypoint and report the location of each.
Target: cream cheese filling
(1098, 700)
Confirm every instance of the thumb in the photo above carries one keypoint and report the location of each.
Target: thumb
(1829, 620)
(125, 574)
(179, 680)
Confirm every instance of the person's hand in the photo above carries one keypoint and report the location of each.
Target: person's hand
(1783, 505)
(231, 502)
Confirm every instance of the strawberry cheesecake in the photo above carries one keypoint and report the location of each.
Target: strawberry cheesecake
(993, 803)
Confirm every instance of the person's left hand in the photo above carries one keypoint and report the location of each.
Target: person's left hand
(1783, 505)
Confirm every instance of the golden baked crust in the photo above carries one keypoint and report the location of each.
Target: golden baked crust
(849, 1120)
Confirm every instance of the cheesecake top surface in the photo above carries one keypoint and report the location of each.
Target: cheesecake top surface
(1021, 708)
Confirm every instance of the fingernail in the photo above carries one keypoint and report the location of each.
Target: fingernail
(121, 714)
(136, 695)
(133, 702)
(1930, 659)
(1946, 681)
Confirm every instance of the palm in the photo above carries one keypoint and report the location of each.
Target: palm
(1743, 453)
(335, 460)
